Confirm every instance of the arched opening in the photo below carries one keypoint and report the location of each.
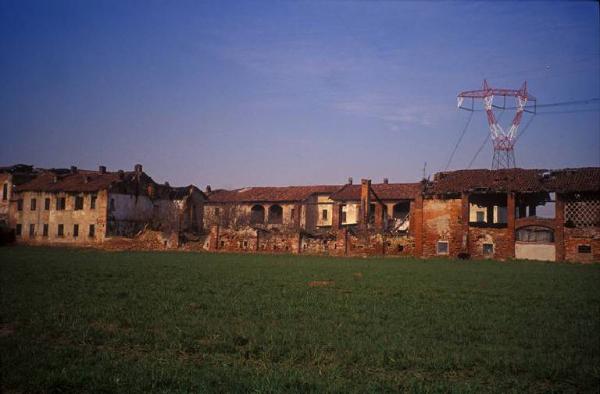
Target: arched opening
(257, 214)
(275, 214)
(535, 234)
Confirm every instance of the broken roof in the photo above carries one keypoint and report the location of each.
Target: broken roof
(517, 179)
(385, 191)
(270, 194)
(78, 181)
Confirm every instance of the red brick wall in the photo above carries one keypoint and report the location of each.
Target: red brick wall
(442, 222)
(499, 237)
(582, 236)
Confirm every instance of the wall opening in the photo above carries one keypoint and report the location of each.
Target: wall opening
(275, 214)
(257, 214)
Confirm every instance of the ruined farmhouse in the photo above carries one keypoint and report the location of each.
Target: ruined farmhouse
(551, 215)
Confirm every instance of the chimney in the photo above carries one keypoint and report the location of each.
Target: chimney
(349, 180)
(73, 170)
(55, 179)
(138, 168)
(121, 174)
(167, 184)
(102, 170)
(86, 179)
(386, 181)
(208, 189)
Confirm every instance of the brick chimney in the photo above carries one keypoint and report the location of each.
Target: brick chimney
(73, 170)
(121, 174)
(349, 180)
(138, 168)
(208, 189)
(386, 181)
(102, 170)
(365, 202)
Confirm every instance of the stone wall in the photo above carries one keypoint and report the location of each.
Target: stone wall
(575, 238)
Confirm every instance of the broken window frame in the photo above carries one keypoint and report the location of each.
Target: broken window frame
(446, 247)
(275, 214)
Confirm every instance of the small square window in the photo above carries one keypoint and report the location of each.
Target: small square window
(584, 249)
(18, 229)
(31, 230)
(488, 249)
(47, 204)
(78, 203)
(442, 247)
(33, 204)
(60, 230)
(75, 230)
(45, 230)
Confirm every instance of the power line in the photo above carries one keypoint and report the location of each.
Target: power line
(462, 134)
(524, 129)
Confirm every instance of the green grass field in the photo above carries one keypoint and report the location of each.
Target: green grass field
(92, 321)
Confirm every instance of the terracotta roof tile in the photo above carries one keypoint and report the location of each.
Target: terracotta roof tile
(270, 194)
(385, 191)
(517, 179)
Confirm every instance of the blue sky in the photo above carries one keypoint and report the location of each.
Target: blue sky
(275, 93)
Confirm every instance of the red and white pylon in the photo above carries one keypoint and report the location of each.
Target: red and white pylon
(503, 141)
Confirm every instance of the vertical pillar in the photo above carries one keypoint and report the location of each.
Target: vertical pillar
(379, 217)
(522, 211)
(559, 227)
(510, 224)
(336, 217)
(365, 203)
(213, 242)
(464, 221)
(297, 215)
(416, 224)
(489, 214)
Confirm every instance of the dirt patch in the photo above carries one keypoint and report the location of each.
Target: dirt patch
(6, 329)
(321, 283)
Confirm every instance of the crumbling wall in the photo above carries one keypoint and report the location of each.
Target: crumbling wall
(442, 222)
(497, 237)
(5, 183)
(582, 244)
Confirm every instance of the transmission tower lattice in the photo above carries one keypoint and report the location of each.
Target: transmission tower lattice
(503, 141)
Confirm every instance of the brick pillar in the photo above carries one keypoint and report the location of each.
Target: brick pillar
(464, 221)
(416, 224)
(379, 217)
(341, 239)
(297, 215)
(299, 243)
(336, 217)
(490, 214)
(510, 224)
(213, 241)
(559, 224)
(365, 203)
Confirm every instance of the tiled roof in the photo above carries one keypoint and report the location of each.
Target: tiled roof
(385, 191)
(270, 194)
(79, 181)
(517, 179)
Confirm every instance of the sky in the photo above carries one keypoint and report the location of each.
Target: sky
(236, 94)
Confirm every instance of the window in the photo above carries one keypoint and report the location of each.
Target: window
(47, 204)
(20, 204)
(293, 213)
(31, 230)
(257, 214)
(5, 192)
(18, 229)
(75, 230)
(584, 249)
(442, 247)
(92, 232)
(324, 214)
(93, 202)
(245, 244)
(78, 203)
(488, 249)
(61, 230)
(275, 214)
(45, 230)
(60, 204)
(535, 234)
(222, 243)
(480, 217)
(33, 204)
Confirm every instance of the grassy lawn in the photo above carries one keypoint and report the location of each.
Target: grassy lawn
(92, 321)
